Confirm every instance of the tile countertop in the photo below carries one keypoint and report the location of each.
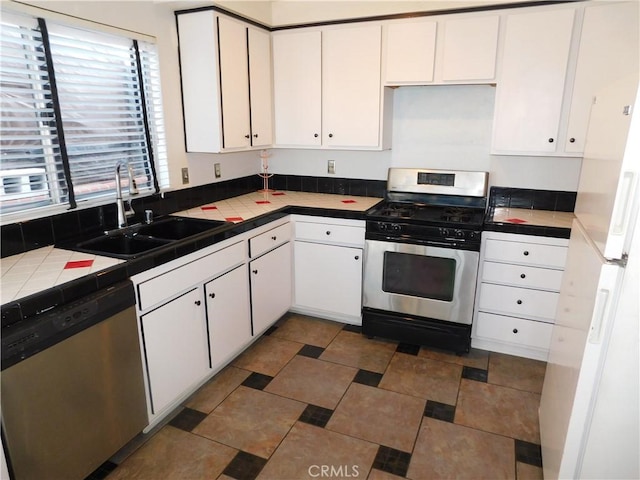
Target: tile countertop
(41, 269)
(529, 221)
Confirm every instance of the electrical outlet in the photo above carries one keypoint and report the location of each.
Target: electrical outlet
(185, 175)
(331, 167)
(216, 169)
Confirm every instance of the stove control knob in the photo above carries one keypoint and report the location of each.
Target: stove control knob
(382, 226)
(459, 233)
(444, 232)
(395, 227)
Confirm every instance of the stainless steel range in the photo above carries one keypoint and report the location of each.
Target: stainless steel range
(422, 247)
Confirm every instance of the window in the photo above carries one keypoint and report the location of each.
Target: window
(75, 102)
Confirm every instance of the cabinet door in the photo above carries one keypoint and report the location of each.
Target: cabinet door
(470, 47)
(410, 49)
(270, 287)
(328, 277)
(234, 83)
(351, 86)
(228, 315)
(200, 81)
(260, 87)
(608, 51)
(531, 83)
(175, 347)
(297, 93)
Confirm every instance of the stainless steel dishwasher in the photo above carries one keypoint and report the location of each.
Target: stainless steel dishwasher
(72, 386)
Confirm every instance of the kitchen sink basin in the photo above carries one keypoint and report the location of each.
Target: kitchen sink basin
(132, 241)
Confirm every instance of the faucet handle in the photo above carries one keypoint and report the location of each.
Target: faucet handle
(133, 185)
(128, 208)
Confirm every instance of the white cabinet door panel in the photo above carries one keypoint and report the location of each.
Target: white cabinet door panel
(520, 302)
(410, 49)
(514, 330)
(522, 276)
(260, 87)
(470, 48)
(549, 256)
(176, 350)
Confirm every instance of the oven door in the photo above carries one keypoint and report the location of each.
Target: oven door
(426, 281)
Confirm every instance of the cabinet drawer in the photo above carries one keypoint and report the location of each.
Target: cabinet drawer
(329, 233)
(522, 276)
(550, 256)
(514, 330)
(520, 302)
(162, 287)
(269, 240)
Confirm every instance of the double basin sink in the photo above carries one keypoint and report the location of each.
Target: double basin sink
(135, 240)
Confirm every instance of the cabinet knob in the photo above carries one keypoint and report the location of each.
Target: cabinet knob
(328, 232)
(255, 135)
(551, 140)
(274, 238)
(331, 135)
(525, 253)
(255, 272)
(198, 302)
(572, 140)
(247, 136)
(357, 257)
(522, 275)
(515, 330)
(315, 135)
(212, 295)
(519, 302)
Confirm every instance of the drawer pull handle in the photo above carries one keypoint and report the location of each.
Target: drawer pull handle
(198, 302)
(515, 330)
(522, 275)
(212, 295)
(274, 238)
(357, 257)
(519, 302)
(328, 232)
(525, 253)
(255, 272)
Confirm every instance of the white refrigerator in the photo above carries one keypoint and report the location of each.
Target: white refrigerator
(590, 404)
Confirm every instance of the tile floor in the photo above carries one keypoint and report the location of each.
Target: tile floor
(315, 399)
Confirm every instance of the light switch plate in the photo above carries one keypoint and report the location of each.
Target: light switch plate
(185, 175)
(331, 167)
(216, 169)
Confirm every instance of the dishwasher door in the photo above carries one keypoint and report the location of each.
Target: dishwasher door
(68, 408)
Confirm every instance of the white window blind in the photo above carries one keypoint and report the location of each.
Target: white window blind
(103, 98)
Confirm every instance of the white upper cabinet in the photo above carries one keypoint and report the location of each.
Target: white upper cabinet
(297, 92)
(441, 50)
(327, 90)
(410, 49)
(226, 83)
(531, 84)
(470, 46)
(609, 46)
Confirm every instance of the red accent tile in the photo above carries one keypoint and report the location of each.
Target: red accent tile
(234, 219)
(79, 264)
(263, 202)
(515, 220)
(348, 201)
(277, 194)
(209, 207)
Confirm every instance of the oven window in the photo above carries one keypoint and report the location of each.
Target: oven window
(419, 275)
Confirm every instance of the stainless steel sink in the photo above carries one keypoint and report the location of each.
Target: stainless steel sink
(138, 239)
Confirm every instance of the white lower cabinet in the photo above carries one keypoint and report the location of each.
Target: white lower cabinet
(175, 347)
(270, 287)
(517, 293)
(228, 315)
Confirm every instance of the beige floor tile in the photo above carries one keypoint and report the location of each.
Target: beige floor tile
(445, 450)
(516, 372)
(528, 472)
(312, 381)
(217, 389)
(268, 355)
(475, 358)
(498, 409)
(251, 420)
(309, 330)
(376, 415)
(422, 377)
(307, 449)
(356, 350)
(175, 454)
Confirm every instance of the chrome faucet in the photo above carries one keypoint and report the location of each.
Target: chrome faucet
(124, 211)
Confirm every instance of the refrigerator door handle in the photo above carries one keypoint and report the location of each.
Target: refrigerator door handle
(599, 311)
(622, 209)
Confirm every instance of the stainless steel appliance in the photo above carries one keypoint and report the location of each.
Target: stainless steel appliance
(422, 247)
(72, 386)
